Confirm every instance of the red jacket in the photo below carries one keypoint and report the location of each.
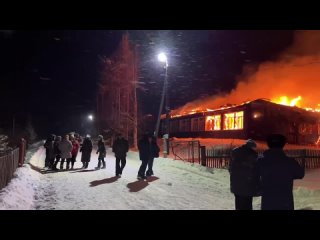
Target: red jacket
(75, 148)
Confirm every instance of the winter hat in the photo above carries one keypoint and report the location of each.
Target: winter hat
(100, 136)
(251, 143)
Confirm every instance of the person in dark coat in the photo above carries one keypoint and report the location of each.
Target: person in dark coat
(120, 148)
(155, 154)
(148, 150)
(49, 146)
(86, 150)
(244, 178)
(102, 153)
(57, 152)
(277, 172)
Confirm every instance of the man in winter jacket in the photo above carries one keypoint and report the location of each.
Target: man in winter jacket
(57, 152)
(120, 148)
(102, 152)
(244, 179)
(86, 150)
(148, 150)
(277, 172)
(49, 146)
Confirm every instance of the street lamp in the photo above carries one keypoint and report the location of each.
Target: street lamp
(163, 58)
(90, 117)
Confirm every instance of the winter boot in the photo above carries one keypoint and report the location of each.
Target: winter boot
(141, 177)
(99, 164)
(103, 165)
(86, 165)
(55, 166)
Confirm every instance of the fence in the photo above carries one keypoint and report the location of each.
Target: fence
(220, 158)
(10, 162)
(186, 150)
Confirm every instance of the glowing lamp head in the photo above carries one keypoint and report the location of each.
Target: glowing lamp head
(163, 58)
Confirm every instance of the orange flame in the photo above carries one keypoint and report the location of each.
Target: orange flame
(284, 100)
(291, 79)
(295, 102)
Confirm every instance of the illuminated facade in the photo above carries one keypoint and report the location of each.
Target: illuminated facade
(255, 119)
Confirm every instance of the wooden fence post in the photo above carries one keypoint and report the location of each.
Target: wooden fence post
(22, 152)
(203, 156)
(304, 159)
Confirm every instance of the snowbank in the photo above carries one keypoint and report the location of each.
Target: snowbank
(20, 192)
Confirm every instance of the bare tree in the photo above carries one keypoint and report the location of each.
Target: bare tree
(117, 98)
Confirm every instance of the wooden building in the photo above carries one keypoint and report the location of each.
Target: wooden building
(255, 119)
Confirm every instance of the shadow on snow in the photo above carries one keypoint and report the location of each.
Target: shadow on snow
(103, 181)
(140, 184)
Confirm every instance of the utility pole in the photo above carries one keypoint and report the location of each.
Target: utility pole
(167, 108)
(135, 108)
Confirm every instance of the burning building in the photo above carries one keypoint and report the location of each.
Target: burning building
(290, 81)
(254, 119)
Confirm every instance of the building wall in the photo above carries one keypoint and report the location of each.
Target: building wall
(260, 118)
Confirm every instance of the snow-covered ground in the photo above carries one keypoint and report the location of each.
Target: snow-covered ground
(20, 193)
(176, 185)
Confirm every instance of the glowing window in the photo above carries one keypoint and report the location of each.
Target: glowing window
(213, 123)
(233, 121)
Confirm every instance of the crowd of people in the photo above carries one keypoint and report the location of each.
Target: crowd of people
(66, 149)
(270, 176)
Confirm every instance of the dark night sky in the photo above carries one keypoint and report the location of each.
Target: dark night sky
(53, 75)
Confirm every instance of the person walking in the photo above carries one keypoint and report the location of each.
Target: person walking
(120, 148)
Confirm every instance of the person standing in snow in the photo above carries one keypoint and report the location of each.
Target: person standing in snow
(86, 150)
(57, 152)
(244, 178)
(102, 153)
(74, 152)
(78, 138)
(49, 146)
(277, 172)
(120, 148)
(155, 154)
(148, 150)
(65, 146)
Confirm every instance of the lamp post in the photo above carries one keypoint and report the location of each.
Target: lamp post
(163, 58)
(90, 127)
(90, 117)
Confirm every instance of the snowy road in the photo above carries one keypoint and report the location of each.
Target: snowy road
(176, 185)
